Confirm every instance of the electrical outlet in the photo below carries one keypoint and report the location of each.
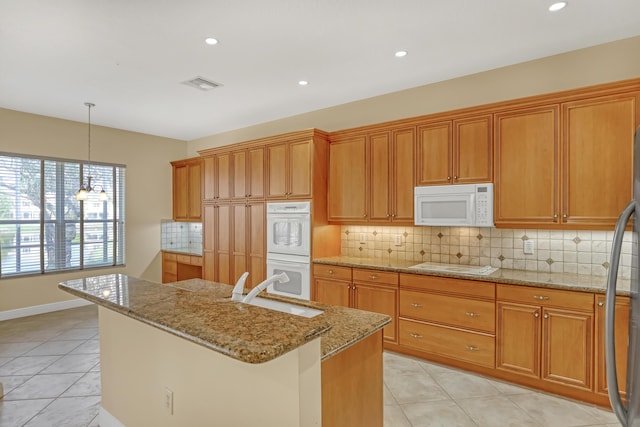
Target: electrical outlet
(168, 401)
(362, 238)
(529, 247)
(398, 240)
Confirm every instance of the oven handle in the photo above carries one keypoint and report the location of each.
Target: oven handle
(273, 262)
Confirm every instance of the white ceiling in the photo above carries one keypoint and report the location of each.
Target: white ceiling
(129, 57)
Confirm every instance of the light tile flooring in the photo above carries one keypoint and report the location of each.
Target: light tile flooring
(50, 369)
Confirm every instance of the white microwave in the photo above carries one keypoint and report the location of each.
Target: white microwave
(464, 205)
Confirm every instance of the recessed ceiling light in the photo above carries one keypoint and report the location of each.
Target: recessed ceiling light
(303, 82)
(401, 53)
(211, 41)
(557, 6)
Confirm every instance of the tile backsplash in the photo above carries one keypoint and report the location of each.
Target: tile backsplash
(579, 252)
(181, 236)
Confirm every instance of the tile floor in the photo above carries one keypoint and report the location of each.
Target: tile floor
(50, 369)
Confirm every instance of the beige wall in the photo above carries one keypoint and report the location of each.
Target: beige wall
(148, 192)
(600, 64)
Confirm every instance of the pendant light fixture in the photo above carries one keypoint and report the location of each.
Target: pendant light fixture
(85, 189)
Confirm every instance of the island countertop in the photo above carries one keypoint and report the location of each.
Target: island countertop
(200, 311)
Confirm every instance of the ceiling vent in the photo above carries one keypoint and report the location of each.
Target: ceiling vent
(201, 83)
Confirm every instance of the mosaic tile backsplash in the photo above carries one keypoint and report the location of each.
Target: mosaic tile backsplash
(579, 252)
(181, 236)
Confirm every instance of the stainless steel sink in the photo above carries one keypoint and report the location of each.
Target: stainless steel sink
(285, 307)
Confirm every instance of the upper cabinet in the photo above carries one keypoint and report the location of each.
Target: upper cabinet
(217, 177)
(187, 187)
(458, 151)
(289, 170)
(248, 173)
(347, 190)
(566, 165)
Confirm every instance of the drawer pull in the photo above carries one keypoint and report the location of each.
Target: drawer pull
(416, 305)
(472, 314)
(373, 277)
(546, 316)
(472, 348)
(415, 336)
(330, 272)
(536, 314)
(541, 297)
(600, 303)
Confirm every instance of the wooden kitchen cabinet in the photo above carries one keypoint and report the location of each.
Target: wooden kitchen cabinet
(391, 176)
(178, 266)
(217, 177)
(546, 334)
(449, 318)
(347, 189)
(208, 241)
(223, 235)
(527, 158)
(458, 151)
(248, 173)
(621, 344)
(368, 290)
(187, 187)
(289, 170)
(597, 152)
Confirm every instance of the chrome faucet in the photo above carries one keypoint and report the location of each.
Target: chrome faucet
(238, 289)
(282, 278)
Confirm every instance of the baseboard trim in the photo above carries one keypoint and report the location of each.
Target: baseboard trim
(44, 308)
(105, 419)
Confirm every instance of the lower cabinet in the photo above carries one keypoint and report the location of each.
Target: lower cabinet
(369, 290)
(622, 344)
(449, 318)
(551, 339)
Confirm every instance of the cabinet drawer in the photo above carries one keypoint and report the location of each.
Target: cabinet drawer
(167, 256)
(375, 276)
(546, 297)
(332, 272)
(196, 260)
(471, 288)
(449, 310)
(454, 343)
(183, 259)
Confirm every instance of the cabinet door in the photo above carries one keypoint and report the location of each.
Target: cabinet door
(526, 161)
(622, 344)
(473, 150)
(518, 339)
(256, 241)
(223, 244)
(403, 176)
(598, 159)
(180, 193)
(195, 191)
(239, 182)
(255, 173)
(169, 268)
(239, 241)
(209, 178)
(208, 241)
(333, 292)
(277, 171)
(434, 154)
(299, 172)
(380, 179)
(223, 176)
(567, 347)
(347, 180)
(378, 299)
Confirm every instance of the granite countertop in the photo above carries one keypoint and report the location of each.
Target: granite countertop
(200, 311)
(579, 282)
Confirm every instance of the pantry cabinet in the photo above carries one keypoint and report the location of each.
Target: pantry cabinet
(546, 334)
(458, 151)
(187, 187)
(248, 173)
(621, 344)
(369, 290)
(208, 241)
(289, 170)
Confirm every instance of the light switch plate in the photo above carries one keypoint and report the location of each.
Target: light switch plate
(529, 247)
(398, 240)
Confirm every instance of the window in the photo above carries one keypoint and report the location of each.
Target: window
(43, 228)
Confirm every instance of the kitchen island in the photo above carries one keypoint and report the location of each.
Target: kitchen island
(184, 354)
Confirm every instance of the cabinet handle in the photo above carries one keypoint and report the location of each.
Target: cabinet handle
(564, 215)
(600, 303)
(393, 216)
(472, 314)
(388, 215)
(365, 215)
(546, 316)
(416, 336)
(471, 348)
(330, 271)
(448, 178)
(373, 277)
(555, 216)
(455, 177)
(541, 297)
(416, 305)
(536, 314)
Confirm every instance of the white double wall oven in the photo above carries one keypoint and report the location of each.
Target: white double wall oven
(289, 247)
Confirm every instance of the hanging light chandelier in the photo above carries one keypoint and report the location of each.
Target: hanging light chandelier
(85, 189)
